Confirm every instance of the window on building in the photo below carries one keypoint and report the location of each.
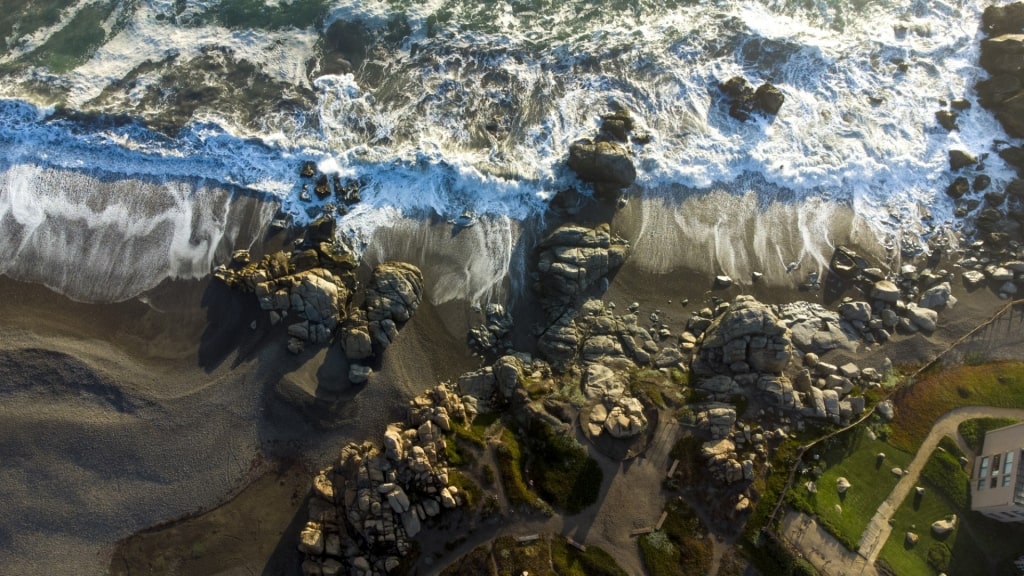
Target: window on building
(1006, 480)
(1008, 463)
(983, 471)
(981, 484)
(995, 482)
(995, 464)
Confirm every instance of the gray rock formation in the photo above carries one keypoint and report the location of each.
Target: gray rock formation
(607, 165)
(748, 337)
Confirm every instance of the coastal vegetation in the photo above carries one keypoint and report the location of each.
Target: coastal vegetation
(540, 555)
(681, 546)
(920, 404)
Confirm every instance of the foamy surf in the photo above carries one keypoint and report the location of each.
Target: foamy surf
(475, 110)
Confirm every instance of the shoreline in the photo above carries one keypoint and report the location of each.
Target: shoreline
(181, 322)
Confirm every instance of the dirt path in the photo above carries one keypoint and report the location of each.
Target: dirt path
(878, 528)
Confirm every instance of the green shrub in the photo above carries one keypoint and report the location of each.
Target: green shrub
(939, 556)
(565, 476)
(943, 470)
(974, 430)
(510, 457)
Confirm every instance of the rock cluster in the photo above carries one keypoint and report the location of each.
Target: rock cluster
(619, 415)
(366, 508)
(724, 462)
(769, 355)
(347, 194)
(998, 217)
(313, 289)
(744, 100)
(906, 302)
(312, 284)
(572, 259)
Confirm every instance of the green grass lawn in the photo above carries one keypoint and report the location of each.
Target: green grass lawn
(853, 456)
(918, 406)
(978, 546)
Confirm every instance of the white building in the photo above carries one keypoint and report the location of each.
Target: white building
(997, 485)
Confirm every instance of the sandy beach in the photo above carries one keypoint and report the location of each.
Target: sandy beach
(121, 417)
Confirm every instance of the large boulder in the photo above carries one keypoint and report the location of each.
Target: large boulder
(394, 292)
(769, 98)
(606, 164)
(748, 337)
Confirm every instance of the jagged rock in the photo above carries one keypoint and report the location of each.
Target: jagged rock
(625, 418)
(855, 311)
(508, 375)
(744, 100)
(723, 281)
(1007, 19)
(717, 449)
(311, 539)
(886, 410)
(560, 343)
(973, 278)
(479, 384)
(845, 262)
(717, 420)
(358, 374)
(885, 291)
(947, 119)
(910, 539)
(769, 98)
(394, 292)
(573, 258)
(323, 487)
(897, 471)
(357, 343)
(748, 332)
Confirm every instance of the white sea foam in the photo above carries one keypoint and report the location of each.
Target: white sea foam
(855, 132)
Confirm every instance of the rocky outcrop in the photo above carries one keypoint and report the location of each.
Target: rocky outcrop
(367, 508)
(308, 289)
(748, 337)
(494, 335)
(1002, 55)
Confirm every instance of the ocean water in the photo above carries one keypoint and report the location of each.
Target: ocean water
(129, 128)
